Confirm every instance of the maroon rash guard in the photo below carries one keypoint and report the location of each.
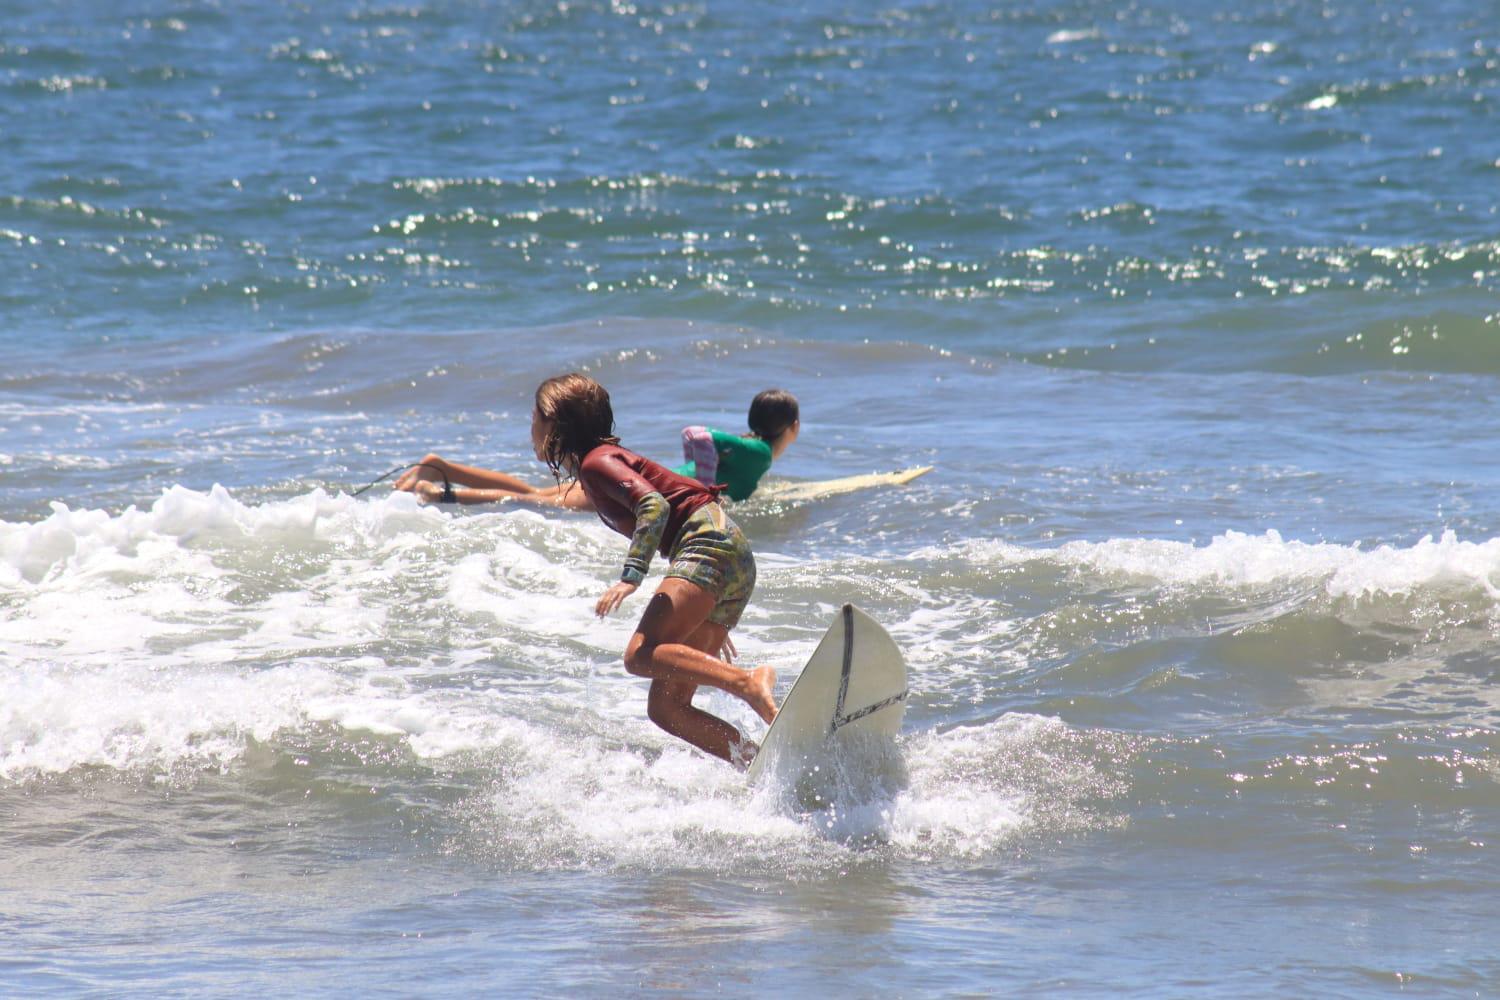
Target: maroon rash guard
(615, 479)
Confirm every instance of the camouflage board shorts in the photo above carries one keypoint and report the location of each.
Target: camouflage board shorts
(714, 554)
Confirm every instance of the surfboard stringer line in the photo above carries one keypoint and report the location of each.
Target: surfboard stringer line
(840, 720)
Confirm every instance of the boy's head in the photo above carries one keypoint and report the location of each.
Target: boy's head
(772, 414)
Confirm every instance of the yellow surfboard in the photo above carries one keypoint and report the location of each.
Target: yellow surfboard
(833, 487)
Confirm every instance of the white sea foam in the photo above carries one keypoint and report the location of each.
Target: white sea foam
(54, 719)
(173, 633)
(73, 543)
(1069, 35)
(958, 802)
(1235, 559)
(176, 634)
(590, 800)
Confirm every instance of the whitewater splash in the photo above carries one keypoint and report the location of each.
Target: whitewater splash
(174, 634)
(251, 618)
(175, 638)
(968, 793)
(1238, 560)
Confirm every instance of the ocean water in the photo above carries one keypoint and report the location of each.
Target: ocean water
(1195, 309)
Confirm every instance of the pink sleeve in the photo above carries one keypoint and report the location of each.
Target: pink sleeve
(698, 448)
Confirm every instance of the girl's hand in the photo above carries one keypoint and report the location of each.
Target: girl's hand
(613, 598)
(727, 652)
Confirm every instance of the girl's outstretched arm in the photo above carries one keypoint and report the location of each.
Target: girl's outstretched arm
(434, 467)
(569, 496)
(480, 485)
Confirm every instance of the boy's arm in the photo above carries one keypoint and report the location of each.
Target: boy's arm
(698, 448)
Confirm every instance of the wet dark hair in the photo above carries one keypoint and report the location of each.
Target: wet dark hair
(581, 416)
(772, 413)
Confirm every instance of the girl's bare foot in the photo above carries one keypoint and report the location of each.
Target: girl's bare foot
(743, 752)
(760, 684)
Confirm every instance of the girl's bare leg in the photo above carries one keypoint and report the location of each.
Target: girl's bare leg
(670, 706)
(669, 647)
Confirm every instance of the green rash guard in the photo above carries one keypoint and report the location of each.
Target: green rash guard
(742, 461)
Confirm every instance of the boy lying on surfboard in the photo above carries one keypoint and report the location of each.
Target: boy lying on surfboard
(735, 462)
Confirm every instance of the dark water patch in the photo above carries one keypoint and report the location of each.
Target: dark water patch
(16, 54)
(1444, 342)
(379, 369)
(1301, 324)
(1414, 768)
(1341, 787)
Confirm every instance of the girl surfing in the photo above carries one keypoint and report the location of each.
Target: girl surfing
(709, 576)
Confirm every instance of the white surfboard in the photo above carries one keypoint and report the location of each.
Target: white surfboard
(853, 688)
(833, 487)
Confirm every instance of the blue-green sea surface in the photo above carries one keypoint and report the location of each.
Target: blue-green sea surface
(1194, 309)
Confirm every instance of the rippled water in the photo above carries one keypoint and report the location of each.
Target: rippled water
(1192, 308)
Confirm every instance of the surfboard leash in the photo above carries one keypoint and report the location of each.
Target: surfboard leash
(448, 495)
